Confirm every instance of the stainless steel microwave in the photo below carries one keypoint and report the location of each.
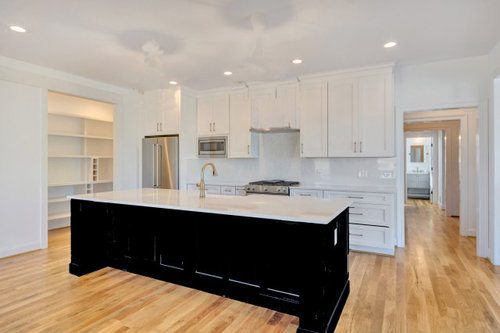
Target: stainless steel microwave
(212, 146)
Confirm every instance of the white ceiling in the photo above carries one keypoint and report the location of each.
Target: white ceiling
(143, 44)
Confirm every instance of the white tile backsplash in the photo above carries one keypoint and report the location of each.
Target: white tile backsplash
(279, 158)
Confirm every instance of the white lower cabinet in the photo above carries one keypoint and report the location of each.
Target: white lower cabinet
(306, 193)
(371, 218)
(364, 237)
(219, 189)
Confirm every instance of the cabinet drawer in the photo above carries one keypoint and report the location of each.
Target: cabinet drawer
(362, 197)
(227, 190)
(370, 214)
(370, 236)
(306, 193)
(212, 189)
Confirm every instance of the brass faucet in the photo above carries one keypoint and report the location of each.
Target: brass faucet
(202, 180)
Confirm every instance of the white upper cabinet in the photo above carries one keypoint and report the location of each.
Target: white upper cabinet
(313, 119)
(376, 116)
(242, 143)
(342, 118)
(213, 115)
(161, 112)
(361, 116)
(275, 107)
(263, 104)
(287, 97)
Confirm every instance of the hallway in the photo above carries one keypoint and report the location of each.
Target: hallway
(435, 284)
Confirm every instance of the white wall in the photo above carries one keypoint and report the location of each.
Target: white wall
(42, 79)
(20, 170)
(494, 153)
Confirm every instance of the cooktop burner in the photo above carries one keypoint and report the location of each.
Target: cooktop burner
(274, 186)
(275, 182)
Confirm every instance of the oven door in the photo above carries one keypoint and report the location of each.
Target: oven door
(212, 147)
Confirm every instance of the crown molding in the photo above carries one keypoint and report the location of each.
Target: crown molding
(59, 75)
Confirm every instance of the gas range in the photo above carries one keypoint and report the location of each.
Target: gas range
(280, 187)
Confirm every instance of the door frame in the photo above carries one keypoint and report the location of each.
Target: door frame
(448, 112)
(467, 224)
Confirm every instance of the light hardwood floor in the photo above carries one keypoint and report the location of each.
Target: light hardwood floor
(435, 284)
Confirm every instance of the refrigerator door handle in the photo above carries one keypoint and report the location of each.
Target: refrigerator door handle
(160, 163)
(154, 164)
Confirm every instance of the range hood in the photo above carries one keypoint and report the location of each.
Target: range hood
(287, 129)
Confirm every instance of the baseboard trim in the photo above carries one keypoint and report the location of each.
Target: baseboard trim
(373, 250)
(8, 252)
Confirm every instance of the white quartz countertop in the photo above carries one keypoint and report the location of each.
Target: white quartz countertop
(348, 188)
(285, 208)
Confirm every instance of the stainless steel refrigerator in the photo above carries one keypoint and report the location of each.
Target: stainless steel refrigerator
(160, 162)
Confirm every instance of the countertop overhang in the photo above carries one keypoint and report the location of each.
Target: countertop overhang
(285, 208)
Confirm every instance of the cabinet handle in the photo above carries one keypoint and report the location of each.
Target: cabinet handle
(352, 234)
(355, 147)
(248, 149)
(353, 197)
(302, 148)
(360, 146)
(355, 213)
(305, 194)
(161, 127)
(214, 127)
(157, 128)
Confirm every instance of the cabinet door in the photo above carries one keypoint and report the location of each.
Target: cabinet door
(205, 106)
(376, 116)
(264, 108)
(313, 120)
(342, 125)
(287, 105)
(170, 108)
(152, 113)
(220, 115)
(239, 129)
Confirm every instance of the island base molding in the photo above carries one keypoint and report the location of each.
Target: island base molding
(291, 267)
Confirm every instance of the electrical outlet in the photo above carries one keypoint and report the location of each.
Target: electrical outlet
(386, 175)
(362, 174)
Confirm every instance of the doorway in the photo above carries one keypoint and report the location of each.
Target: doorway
(439, 171)
(459, 179)
(422, 172)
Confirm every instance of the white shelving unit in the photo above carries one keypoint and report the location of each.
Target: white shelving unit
(80, 152)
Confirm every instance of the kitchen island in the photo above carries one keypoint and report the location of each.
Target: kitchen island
(285, 253)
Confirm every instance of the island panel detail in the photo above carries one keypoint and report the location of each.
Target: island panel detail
(292, 267)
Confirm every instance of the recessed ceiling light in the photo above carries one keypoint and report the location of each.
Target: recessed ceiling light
(173, 83)
(227, 73)
(296, 61)
(390, 44)
(17, 28)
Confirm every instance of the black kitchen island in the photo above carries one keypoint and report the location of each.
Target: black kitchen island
(286, 254)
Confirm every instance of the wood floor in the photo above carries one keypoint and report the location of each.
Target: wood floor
(435, 284)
